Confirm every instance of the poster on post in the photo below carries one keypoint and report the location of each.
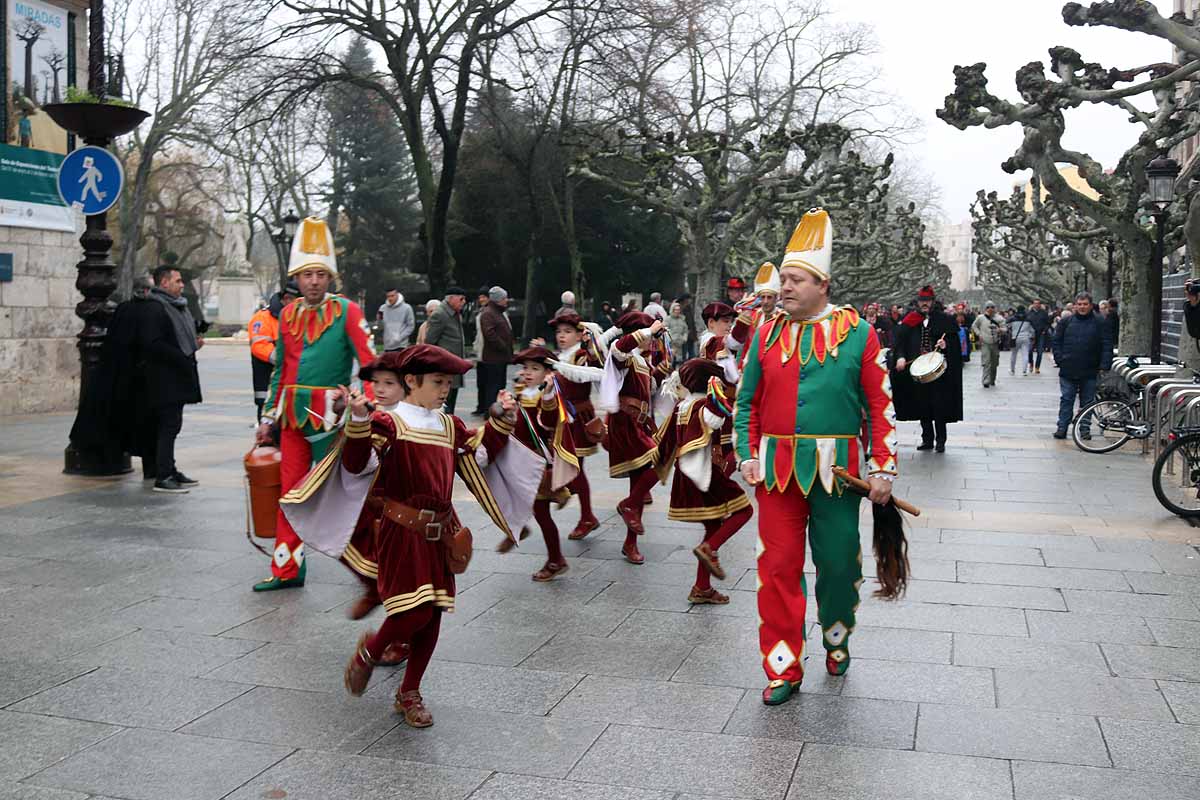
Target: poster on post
(29, 196)
(37, 47)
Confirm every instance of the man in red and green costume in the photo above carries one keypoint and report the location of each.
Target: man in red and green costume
(320, 337)
(814, 390)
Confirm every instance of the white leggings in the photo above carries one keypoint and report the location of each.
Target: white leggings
(1020, 351)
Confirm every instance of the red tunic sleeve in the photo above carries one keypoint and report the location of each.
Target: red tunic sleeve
(492, 436)
(361, 435)
(879, 428)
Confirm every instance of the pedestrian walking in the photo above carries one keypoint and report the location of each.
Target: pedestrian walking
(677, 329)
(431, 305)
(398, 321)
(988, 329)
(1039, 318)
(445, 330)
(964, 336)
(168, 344)
(497, 351)
(1082, 349)
(1021, 331)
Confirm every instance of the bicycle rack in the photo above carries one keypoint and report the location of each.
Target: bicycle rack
(1172, 398)
(1163, 390)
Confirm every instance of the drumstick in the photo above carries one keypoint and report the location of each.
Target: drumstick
(864, 487)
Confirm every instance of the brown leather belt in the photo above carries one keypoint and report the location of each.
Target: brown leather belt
(432, 524)
(638, 409)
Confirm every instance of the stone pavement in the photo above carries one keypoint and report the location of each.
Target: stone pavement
(1048, 648)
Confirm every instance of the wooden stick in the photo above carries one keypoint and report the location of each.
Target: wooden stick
(862, 486)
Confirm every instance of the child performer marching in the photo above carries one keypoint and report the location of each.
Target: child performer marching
(702, 490)
(417, 445)
(626, 393)
(578, 347)
(718, 344)
(757, 309)
(543, 425)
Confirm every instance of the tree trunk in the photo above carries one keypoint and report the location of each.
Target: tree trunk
(528, 325)
(1136, 302)
(131, 219)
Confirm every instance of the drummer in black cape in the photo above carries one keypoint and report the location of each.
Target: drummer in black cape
(928, 329)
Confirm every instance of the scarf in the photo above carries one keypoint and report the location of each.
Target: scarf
(181, 319)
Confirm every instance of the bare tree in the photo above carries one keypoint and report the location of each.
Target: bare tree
(188, 49)
(28, 31)
(1118, 200)
(733, 111)
(55, 60)
(430, 49)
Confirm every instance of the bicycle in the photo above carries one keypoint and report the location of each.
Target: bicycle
(1176, 476)
(1110, 422)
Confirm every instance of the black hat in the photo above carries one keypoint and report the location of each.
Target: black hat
(453, 290)
(292, 288)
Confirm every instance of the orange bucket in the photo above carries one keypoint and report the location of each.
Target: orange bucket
(265, 486)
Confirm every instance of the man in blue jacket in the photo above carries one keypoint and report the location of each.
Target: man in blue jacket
(1082, 348)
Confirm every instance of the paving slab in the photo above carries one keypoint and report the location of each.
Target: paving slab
(1147, 661)
(736, 662)
(1184, 699)
(1141, 605)
(307, 775)
(464, 736)
(1068, 782)
(518, 691)
(1075, 626)
(828, 719)
(978, 594)
(650, 704)
(25, 791)
(920, 683)
(479, 645)
(502, 786)
(706, 763)
(1002, 733)
(292, 666)
(152, 765)
(595, 655)
(307, 720)
(177, 652)
(858, 773)
(1066, 693)
(1049, 577)
(1167, 747)
(1158, 583)
(1013, 539)
(1008, 651)
(1175, 632)
(31, 742)
(134, 698)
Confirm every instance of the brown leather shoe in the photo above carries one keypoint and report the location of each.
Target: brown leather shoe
(364, 605)
(632, 554)
(710, 596)
(631, 516)
(709, 559)
(358, 671)
(507, 544)
(584, 527)
(413, 708)
(550, 571)
(394, 655)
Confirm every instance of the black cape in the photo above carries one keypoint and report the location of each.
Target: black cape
(941, 400)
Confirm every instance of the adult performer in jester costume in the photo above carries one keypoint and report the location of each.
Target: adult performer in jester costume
(814, 394)
(321, 336)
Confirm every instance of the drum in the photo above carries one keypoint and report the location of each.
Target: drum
(263, 485)
(928, 367)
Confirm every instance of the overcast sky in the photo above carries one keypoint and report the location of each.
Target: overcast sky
(922, 42)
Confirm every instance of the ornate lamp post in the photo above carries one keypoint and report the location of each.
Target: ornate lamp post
(91, 451)
(1161, 173)
(282, 238)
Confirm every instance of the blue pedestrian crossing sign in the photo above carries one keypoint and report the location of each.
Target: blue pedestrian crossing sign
(90, 180)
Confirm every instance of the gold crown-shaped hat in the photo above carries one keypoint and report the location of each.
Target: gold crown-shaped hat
(313, 248)
(766, 279)
(811, 245)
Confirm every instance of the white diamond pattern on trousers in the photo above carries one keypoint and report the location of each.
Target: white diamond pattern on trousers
(282, 554)
(780, 658)
(836, 634)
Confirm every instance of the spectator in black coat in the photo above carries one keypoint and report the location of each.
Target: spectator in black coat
(1039, 318)
(168, 343)
(1114, 321)
(1082, 348)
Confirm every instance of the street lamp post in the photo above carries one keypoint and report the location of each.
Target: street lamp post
(282, 238)
(1161, 173)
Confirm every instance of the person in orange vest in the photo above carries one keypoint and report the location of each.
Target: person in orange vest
(263, 328)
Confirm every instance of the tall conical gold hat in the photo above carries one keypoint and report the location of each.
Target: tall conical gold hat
(766, 279)
(313, 248)
(811, 245)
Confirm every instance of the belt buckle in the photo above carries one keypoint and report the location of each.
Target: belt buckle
(435, 527)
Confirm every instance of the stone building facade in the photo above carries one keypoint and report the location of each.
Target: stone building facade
(39, 361)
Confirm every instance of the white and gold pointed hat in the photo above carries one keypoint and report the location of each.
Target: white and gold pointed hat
(811, 245)
(766, 279)
(313, 248)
